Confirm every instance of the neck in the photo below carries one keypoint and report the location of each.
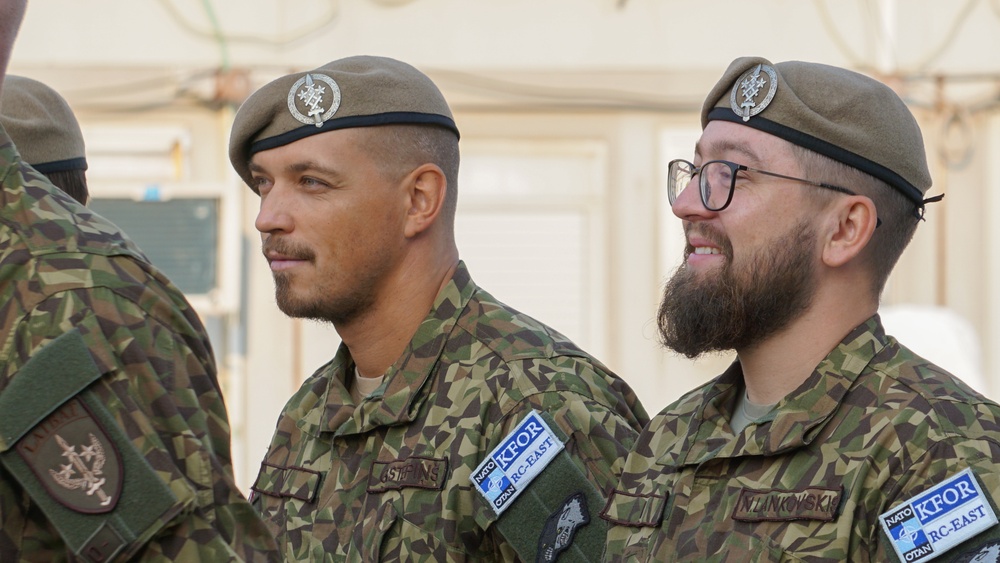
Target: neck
(379, 337)
(777, 366)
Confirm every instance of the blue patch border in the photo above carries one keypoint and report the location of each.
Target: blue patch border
(938, 519)
(516, 461)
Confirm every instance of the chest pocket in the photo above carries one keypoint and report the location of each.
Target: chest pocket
(286, 482)
(407, 516)
(635, 520)
(634, 510)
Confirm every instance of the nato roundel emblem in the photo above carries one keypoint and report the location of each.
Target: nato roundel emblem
(313, 99)
(753, 91)
(74, 459)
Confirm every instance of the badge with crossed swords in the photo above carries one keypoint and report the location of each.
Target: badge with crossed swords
(319, 96)
(755, 90)
(77, 474)
(74, 459)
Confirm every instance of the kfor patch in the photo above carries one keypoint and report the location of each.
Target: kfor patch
(938, 519)
(73, 458)
(519, 458)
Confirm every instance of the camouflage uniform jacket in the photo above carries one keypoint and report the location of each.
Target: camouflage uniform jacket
(872, 427)
(66, 272)
(389, 478)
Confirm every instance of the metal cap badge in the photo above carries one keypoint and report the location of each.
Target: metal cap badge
(838, 113)
(361, 91)
(312, 95)
(752, 91)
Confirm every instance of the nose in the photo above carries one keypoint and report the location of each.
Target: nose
(275, 214)
(688, 205)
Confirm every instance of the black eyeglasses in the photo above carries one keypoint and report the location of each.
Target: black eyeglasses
(717, 179)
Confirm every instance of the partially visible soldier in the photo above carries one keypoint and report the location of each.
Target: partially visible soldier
(827, 439)
(114, 442)
(448, 426)
(45, 131)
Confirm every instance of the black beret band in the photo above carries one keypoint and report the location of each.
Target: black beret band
(843, 115)
(61, 165)
(389, 118)
(824, 148)
(360, 91)
(42, 125)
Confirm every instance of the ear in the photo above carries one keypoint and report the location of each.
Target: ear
(426, 189)
(852, 224)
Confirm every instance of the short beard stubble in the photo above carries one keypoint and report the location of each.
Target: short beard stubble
(322, 302)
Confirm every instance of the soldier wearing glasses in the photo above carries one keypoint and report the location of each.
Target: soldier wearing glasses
(827, 439)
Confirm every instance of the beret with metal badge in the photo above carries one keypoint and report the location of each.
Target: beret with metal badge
(361, 91)
(838, 113)
(42, 126)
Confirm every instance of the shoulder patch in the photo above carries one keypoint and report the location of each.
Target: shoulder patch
(938, 519)
(557, 535)
(73, 458)
(519, 458)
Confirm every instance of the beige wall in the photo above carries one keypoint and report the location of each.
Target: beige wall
(624, 76)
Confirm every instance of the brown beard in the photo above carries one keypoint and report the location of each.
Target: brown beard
(737, 309)
(325, 301)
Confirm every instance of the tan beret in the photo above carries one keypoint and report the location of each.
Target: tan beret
(835, 112)
(42, 126)
(361, 91)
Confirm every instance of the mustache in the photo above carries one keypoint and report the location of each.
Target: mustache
(273, 244)
(708, 233)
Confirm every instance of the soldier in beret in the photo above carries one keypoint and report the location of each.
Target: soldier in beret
(827, 440)
(114, 440)
(448, 426)
(46, 133)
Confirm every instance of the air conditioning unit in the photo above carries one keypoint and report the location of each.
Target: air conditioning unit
(140, 178)
(189, 231)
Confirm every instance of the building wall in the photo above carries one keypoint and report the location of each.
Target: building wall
(569, 109)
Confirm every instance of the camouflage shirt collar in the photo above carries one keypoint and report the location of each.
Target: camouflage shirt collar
(8, 153)
(406, 384)
(798, 418)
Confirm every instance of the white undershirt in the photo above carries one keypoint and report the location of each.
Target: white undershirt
(361, 387)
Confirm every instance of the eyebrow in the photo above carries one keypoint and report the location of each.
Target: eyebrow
(727, 145)
(297, 168)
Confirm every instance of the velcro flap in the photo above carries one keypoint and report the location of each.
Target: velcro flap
(287, 482)
(635, 510)
(34, 393)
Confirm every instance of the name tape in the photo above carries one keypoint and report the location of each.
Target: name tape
(519, 458)
(939, 519)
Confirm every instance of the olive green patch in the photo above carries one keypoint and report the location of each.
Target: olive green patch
(74, 459)
(103, 545)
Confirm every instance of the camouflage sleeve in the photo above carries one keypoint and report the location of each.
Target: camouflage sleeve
(944, 506)
(599, 438)
(599, 413)
(558, 514)
(159, 386)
